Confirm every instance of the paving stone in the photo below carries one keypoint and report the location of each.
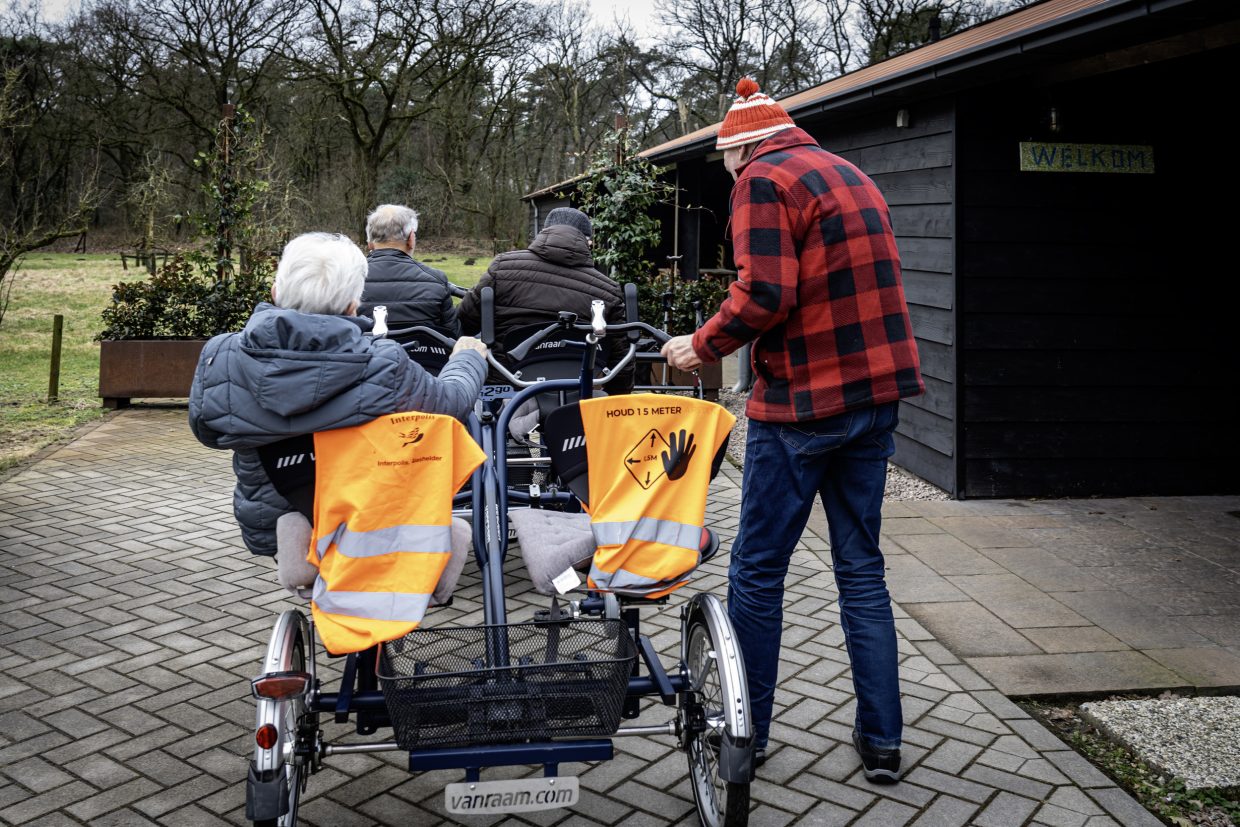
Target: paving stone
(1077, 768)
(951, 757)
(946, 811)
(113, 798)
(1005, 810)
(952, 785)
(37, 775)
(1125, 810)
(1000, 780)
(1074, 639)
(1201, 667)
(1090, 672)
(886, 813)
(1127, 618)
(968, 629)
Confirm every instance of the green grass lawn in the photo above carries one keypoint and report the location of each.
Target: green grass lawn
(79, 287)
(454, 266)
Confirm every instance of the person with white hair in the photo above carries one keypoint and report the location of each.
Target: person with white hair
(303, 364)
(413, 293)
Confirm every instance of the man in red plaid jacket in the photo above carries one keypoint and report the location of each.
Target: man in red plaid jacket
(818, 292)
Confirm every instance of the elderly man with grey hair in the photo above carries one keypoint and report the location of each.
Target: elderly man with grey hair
(303, 364)
(413, 293)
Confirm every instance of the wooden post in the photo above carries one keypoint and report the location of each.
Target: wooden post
(53, 382)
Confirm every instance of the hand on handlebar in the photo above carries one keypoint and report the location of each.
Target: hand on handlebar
(469, 343)
(679, 353)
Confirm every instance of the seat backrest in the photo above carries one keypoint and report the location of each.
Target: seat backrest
(289, 464)
(431, 354)
(647, 489)
(564, 435)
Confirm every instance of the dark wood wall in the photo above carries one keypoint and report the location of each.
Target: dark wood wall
(1097, 330)
(539, 207)
(913, 167)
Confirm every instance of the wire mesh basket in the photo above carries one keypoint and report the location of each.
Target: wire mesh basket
(459, 686)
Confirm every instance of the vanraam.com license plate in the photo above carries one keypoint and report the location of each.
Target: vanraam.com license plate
(523, 795)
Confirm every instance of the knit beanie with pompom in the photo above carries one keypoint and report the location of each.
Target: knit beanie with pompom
(753, 116)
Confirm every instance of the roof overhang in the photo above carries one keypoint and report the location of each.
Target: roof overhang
(1036, 35)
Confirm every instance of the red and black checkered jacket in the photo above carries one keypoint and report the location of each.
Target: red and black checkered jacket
(818, 288)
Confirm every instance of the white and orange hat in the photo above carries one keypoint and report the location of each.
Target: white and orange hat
(753, 116)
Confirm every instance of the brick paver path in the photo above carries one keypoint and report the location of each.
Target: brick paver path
(131, 621)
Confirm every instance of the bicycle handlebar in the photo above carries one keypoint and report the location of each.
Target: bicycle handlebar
(522, 350)
(608, 373)
(420, 330)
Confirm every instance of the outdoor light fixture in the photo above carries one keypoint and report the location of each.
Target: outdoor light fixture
(903, 121)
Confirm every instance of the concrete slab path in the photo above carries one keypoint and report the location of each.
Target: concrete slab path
(1046, 597)
(131, 620)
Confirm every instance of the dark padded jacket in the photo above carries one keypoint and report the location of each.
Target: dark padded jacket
(533, 285)
(289, 373)
(414, 293)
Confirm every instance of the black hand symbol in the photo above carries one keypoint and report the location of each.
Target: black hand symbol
(682, 452)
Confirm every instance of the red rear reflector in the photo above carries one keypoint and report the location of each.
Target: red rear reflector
(284, 685)
(266, 736)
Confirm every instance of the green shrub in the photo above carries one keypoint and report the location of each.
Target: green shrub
(185, 299)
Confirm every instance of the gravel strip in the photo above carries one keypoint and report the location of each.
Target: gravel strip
(1194, 739)
(901, 485)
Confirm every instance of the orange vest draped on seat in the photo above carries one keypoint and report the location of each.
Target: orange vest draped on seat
(382, 523)
(649, 470)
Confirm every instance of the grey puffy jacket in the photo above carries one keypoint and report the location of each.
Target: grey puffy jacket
(290, 373)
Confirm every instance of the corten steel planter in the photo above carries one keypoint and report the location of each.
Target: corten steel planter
(146, 369)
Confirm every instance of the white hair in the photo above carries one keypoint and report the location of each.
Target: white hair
(320, 273)
(390, 224)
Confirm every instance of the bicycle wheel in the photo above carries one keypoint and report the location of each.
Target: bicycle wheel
(715, 715)
(278, 774)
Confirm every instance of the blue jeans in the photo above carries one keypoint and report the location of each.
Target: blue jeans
(842, 459)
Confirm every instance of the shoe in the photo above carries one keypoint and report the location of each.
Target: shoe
(882, 766)
(759, 755)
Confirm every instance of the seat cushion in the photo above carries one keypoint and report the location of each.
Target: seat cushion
(551, 542)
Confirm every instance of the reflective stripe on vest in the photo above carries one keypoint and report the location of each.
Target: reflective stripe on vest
(391, 606)
(649, 529)
(619, 581)
(436, 539)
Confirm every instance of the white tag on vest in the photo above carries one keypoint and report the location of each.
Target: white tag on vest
(566, 581)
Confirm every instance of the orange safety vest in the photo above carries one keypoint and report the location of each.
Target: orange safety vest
(382, 523)
(649, 459)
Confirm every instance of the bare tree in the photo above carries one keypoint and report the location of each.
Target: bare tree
(197, 55)
(47, 173)
(385, 63)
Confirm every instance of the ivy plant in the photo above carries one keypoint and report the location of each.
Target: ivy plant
(213, 290)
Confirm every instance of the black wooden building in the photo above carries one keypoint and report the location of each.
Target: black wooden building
(1060, 180)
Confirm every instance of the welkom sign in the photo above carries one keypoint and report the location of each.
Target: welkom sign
(1036, 156)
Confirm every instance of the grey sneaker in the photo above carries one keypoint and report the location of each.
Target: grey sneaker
(882, 766)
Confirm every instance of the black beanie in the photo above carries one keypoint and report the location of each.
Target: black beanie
(571, 217)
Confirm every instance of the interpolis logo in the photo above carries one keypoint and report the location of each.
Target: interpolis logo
(411, 434)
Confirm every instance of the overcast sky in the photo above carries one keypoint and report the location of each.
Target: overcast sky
(639, 12)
